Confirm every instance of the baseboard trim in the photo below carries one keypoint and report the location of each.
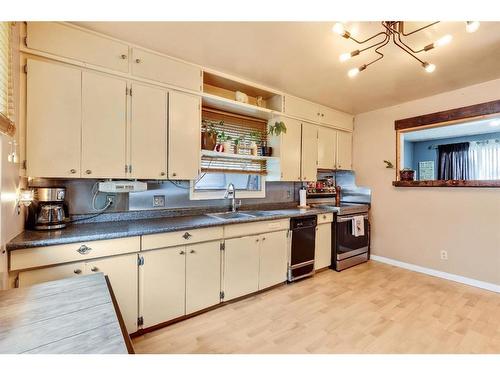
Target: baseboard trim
(436, 273)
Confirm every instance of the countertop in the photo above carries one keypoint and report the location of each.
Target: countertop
(75, 315)
(116, 229)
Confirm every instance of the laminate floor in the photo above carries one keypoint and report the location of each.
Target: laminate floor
(371, 308)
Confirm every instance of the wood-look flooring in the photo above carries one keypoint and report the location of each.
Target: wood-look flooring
(371, 308)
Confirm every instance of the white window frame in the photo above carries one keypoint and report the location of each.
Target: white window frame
(219, 194)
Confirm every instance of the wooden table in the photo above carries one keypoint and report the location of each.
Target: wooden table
(76, 315)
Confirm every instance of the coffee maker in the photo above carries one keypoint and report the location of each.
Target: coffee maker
(48, 210)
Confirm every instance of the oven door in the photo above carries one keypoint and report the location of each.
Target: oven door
(347, 245)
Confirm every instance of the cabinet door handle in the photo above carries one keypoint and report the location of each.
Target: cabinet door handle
(162, 173)
(123, 57)
(187, 235)
(182, 252)
(322, 115)
(257, 240)
(72, 171)
(94, 269)
(192, 252)
(84, 249)
(263, 238)
(174, 174)
(88, 171)
(138, 61)
(77, 271)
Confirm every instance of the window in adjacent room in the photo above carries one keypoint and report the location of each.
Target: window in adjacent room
(6, 81)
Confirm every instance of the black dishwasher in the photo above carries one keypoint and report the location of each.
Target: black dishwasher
(303, 243)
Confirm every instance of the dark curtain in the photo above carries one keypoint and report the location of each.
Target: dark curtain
(453, 161)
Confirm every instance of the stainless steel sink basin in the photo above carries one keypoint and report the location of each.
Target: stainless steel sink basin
(230, 215)
(260, 213)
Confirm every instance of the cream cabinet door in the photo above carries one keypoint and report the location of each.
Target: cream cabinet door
(162, 281)
(164, 69)
(54, 115)
(241, 266)
(43, 275)
(103, 126)
(301, 108)
(290, 151)
(309, 163)
(344, 150)
(82, 45)
(323, 250)
(184, 140)
(327, 147)
(122, 272)
(273, 259)
(148, 132)
(332, 117)
(203, 276)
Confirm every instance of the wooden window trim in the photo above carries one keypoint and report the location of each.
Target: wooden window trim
(444, 118)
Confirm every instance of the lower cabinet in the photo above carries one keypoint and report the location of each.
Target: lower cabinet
(273, 259)
(121, 271)
(178, 280)
(323, 250)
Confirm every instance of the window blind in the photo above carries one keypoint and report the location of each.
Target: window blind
(6, 82)
(235, 126)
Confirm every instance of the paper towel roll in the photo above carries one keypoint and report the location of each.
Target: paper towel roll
(302, 197)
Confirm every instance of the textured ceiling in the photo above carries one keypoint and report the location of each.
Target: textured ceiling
(302, 58)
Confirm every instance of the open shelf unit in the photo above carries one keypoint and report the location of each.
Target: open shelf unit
(216, 154)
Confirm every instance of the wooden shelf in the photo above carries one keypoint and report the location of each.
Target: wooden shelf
(215, 154)
(228, 105)
(449, 183)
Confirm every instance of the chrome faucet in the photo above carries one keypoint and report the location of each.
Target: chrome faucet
(231, 194)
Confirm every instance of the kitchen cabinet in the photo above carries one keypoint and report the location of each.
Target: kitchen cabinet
(309, 152)
(344, 150)
(323, 250)
(327, 147)
(273, 259)
(287, 151)
(162, 285)
(103, 126)
(332, 117)
(54, 115)
(148, 132)
(241, 266)
(165, 69)
(203, 275)
(74, 43)
(184, 142)
(301, 108)
(43, 275)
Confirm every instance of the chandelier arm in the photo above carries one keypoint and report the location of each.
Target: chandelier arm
(376, 44)
(370, 38)
(387, 39)
(408, 52)
(407, 46)
(419, 29)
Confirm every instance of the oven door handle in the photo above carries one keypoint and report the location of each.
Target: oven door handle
(348, 218)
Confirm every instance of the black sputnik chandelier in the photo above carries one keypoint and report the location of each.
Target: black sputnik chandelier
(395, 31)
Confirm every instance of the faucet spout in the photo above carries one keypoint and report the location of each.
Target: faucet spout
(231, 194)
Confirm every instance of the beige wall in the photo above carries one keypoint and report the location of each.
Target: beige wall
(414, 224)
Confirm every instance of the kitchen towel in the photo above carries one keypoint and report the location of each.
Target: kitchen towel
(358, 226)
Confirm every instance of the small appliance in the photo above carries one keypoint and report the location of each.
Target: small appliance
(48, 210)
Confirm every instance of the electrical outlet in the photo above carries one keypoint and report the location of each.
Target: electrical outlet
(111, 198)
(444, 255)
(158, 201)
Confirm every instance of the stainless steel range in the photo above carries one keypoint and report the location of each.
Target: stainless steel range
(351, 227)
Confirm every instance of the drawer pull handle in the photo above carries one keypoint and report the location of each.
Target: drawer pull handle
(187, 235)
(84, 249)
(94, 269)
(77, 271)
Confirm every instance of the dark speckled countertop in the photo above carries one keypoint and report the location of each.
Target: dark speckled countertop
(116, 229)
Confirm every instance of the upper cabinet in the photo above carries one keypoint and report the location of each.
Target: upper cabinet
(344, 150)
(327, 147)
(53, 115)
(166, 70)
(287, 150)
(307, 110)
(309, 152)
(74, 43)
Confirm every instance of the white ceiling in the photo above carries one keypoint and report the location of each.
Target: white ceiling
(491, 125)
(302, 58)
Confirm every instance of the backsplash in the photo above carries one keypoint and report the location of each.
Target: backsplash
(79, 196)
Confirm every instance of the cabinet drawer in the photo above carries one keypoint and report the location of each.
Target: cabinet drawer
(160, 240)
(43, 275)
(325, 218)
(163, 69)
(247, 229)
(48, 255)
(66, 41)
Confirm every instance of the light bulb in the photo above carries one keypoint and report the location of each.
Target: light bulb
(338, 28)
(443, 40)
(345, 56)
(471, 26)
(353, 72)
(429, 68)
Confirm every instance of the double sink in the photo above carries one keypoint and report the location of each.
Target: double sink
(241, 214)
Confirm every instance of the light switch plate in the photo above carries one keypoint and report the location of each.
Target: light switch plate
(159, 201)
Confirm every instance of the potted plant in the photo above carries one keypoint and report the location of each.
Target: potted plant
(225, 142)
(237, 142)
(254, 139)
(209, 134)
(273, 130)
(407, 174)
